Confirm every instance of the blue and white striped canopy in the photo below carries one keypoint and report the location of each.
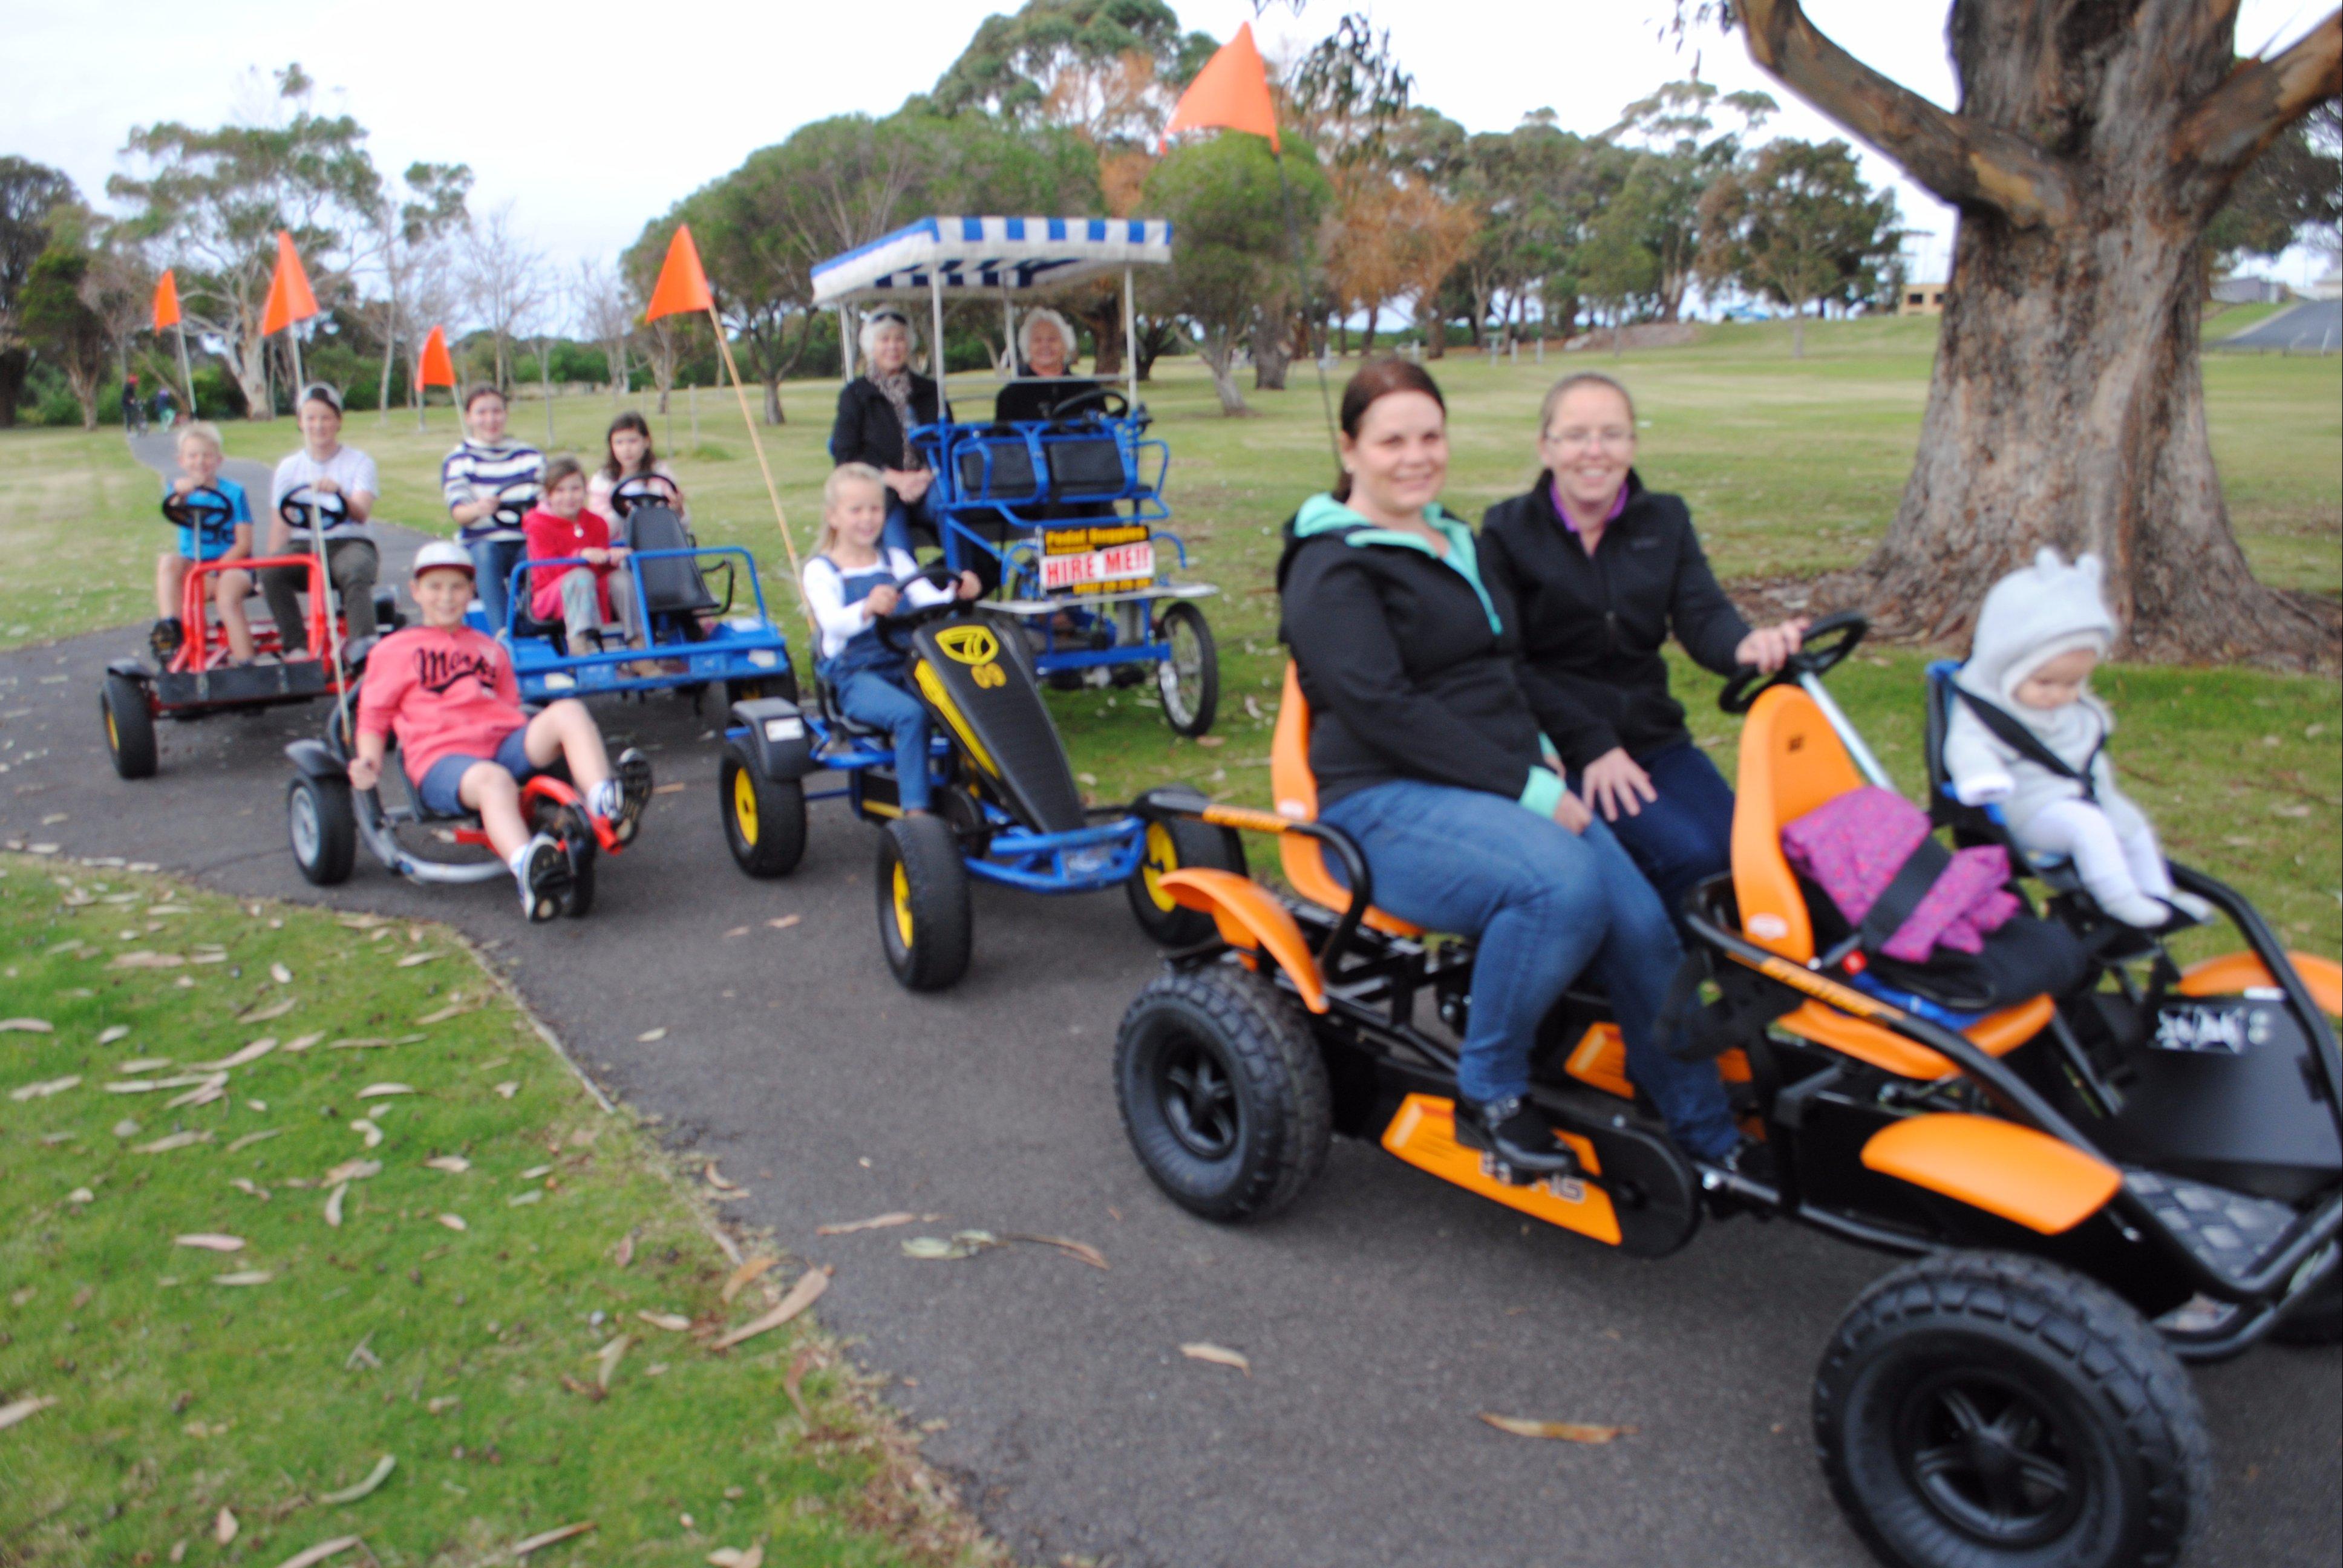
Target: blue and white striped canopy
(987, 255)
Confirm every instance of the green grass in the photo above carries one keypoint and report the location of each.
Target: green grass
(468, 1355)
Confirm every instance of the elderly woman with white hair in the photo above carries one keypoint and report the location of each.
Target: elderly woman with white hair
(1045, 347)
(877, 412)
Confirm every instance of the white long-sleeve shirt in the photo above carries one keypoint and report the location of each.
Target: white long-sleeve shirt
(840, 622)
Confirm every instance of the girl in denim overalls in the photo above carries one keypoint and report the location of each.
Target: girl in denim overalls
(850, 582)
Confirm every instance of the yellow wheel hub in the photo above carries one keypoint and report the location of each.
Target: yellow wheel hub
(903, 904)
(113, 735)
(1162, 856)
(744, 807)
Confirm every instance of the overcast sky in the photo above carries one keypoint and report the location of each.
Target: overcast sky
(592, 120)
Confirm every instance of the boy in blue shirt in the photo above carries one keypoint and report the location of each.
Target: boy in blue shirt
(214, 538)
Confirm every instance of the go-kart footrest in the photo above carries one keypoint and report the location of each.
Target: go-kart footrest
(2230, 1231)
(241, 683)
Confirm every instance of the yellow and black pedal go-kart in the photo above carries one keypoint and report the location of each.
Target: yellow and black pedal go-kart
(1006, 807)
(2076, 1229)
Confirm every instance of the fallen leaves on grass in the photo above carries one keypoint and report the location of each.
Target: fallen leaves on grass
(411, 959)
(509, 1087)
(213, 1089)
(624, 1253)
(27, 1026)
(454, 1222)
(454, 1164)
(112, 1033)
(210, 1242)
(731, 1557)
(46, 1088)
(453, 1009)
(244, 1277)
(523, 1548)
(333, 1205)
(250, 1188)
(875, 1223)
(249, 1138)
(803, 1294)
(365, 1129)
(375, 1477)
(280, 974)
(223, 1526)
(1566, 1431)
(605, 1360)
(674, 1322)
(379, 1090)
(164, 1145)
(747, 1273)
(312, 1556)
(252, 1052)
(304, 1041)
(10, 1414)
(1218, 1355)
(716, 1179)
(141, 959)
(800, 1362)
(353, 1171)
(259, 1012)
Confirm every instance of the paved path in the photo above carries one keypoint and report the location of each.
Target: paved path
(1380, 1313)
(2311, 327)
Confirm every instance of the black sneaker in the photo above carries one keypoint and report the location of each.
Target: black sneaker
(1753, 1162)
(634, 776)
(1516, 1142)
(544, 878)
(167, 637)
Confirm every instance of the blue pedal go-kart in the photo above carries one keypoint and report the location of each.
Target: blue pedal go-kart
(1005, 809)
(694, 635)
(1063, 513)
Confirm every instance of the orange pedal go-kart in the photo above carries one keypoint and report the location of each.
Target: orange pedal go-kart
(195, 681)
(2092, 1187)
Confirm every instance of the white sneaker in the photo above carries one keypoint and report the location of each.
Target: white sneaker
(543, 872)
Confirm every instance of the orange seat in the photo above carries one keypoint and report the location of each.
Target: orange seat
(1791, 762)
(1296, 789)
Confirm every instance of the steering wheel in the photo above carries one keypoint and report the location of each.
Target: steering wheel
(202, 509)
(514, 497)
(1825, 645)
(1103, 400)
(640, 489)
(895, 630)
(332, 511)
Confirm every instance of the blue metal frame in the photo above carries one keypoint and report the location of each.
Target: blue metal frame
(728, 652)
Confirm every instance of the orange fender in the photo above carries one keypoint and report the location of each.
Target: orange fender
(2233, 972)
(1249, 917)
(1998, 1166)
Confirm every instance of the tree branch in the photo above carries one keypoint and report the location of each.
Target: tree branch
(1966, 163)
(2232, 124)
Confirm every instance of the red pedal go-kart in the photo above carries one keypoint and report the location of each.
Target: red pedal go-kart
(196, 681)
(2093, 1187)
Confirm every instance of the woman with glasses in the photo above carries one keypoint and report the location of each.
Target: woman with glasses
(1604, 571)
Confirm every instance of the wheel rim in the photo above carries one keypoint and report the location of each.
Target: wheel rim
(1162, 856)
(744, 807)
(1198, 1097)
(902, 906)
(1991, 1457)
(307, 831)
(113, 735)
(1181, 675)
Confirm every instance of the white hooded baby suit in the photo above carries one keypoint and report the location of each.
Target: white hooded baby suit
(2031, 617)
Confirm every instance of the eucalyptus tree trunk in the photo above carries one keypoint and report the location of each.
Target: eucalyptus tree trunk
(2094, 142)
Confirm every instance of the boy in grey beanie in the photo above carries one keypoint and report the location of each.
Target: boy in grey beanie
(2041, 631)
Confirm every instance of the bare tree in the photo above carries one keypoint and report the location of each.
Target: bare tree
(504, 280)
(607, 313)
(434, 298)
(399, 238)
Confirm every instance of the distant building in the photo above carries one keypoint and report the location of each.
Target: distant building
(1923, 299)
(2328, 288)
(2247, 291)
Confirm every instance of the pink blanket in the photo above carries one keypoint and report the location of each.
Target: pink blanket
(1854, 846)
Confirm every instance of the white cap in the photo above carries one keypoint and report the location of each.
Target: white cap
(443, 553)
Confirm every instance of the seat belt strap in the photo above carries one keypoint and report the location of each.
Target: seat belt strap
(2012, 733)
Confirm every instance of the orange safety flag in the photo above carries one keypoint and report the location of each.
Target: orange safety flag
(434, 367)
(682, 284)
(289, 299)
(1231, 91)
(167, 301)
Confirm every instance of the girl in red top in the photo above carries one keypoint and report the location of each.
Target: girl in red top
(447, 693)
(595, 602)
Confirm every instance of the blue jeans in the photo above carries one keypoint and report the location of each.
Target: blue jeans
(1687, 834)
(1542, 904)
(492, 566)
(867, 697)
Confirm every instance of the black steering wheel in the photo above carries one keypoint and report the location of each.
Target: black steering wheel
(1825, 645)
(1103, 400)
(202, 509)
(514, 499)
(643, 490)
(895, 630)
(332, 511)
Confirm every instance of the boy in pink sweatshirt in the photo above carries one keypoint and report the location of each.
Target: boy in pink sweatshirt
(448, 694)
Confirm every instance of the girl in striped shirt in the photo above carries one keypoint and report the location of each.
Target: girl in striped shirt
(490, 483)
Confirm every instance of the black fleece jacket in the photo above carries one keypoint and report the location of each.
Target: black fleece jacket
(1592, 628)
(1407, 677)
(866, 430)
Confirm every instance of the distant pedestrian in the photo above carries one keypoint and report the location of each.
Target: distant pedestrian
(133, 412)
(167, 407)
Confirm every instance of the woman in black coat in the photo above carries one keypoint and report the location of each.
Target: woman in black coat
(877, 412)
(1604, 571)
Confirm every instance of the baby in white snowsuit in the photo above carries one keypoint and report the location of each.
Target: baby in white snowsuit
(2041, 631)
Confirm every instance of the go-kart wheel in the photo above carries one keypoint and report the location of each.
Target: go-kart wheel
(1224, 1093)
(764, 819)
(129, 727)
(1188, 681)
(1171, 844)
(323, 827)
(2316, 1318)
(923, 908)
(1988, 1411)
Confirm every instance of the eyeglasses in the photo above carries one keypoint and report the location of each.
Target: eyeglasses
(1587, 441)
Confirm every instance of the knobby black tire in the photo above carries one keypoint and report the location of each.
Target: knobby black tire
(937, 953)
(129, 727)
(1199, 716)
(2139, 1451)
(1283, 1104)
(780, 840)
(323, 826)
(1194, 845)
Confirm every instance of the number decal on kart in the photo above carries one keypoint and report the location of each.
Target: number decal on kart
(970, 645)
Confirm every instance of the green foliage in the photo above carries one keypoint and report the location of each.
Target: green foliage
(1107, 67)
(2293, 191)
(1794, 223)
(61, 327)
(29, 193)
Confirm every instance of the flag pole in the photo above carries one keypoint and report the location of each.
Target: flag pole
(325, 567)
(772, 491)
(1302, 281)
(186, 374)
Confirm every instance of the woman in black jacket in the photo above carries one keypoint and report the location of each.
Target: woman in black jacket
(876, 414)
(1604, 570)
(1427, 754)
